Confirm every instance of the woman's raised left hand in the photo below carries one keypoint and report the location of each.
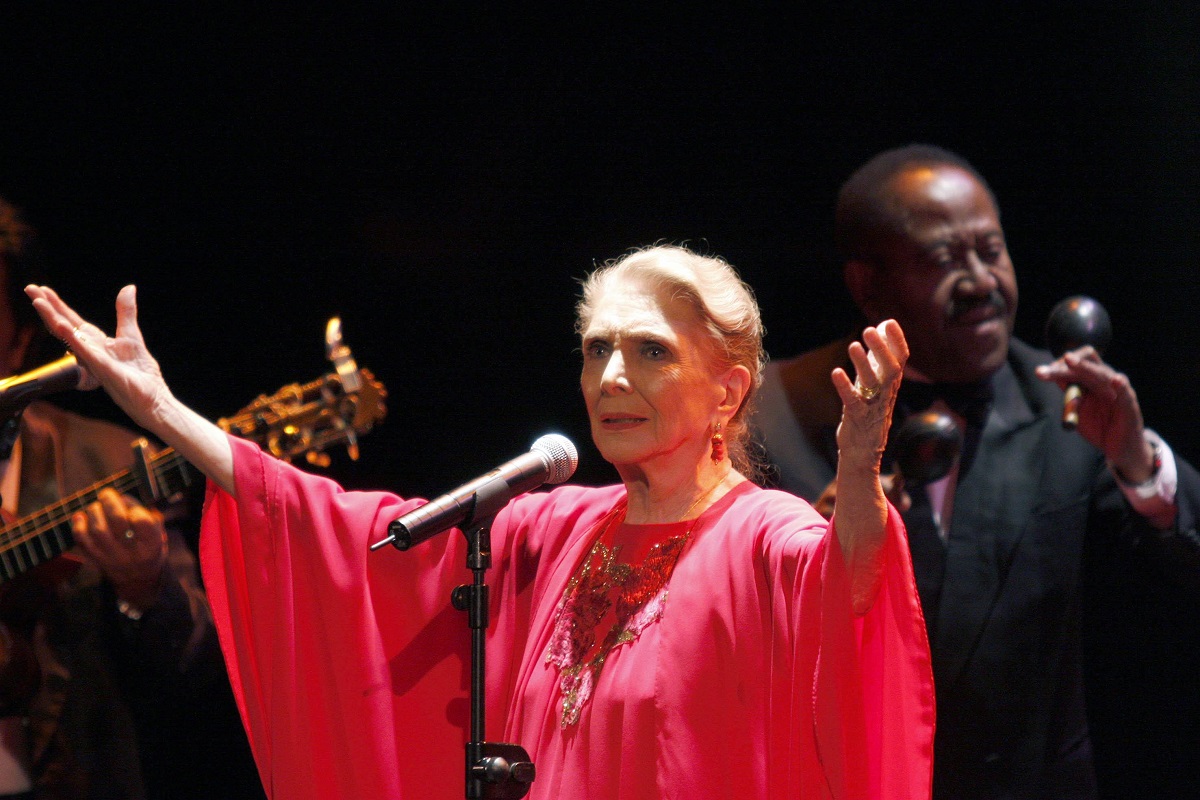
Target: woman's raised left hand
(867, 401)
(861, 508)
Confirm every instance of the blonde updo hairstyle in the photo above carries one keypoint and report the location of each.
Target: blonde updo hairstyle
(723, 302)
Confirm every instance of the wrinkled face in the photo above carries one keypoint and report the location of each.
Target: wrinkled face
(647, 379)
(948, 280)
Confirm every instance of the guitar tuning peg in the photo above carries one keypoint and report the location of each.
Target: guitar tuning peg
(339, 354)
(352, 444)
(317, 459)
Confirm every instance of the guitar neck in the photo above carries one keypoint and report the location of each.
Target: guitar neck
(41, 536)
(299, 419)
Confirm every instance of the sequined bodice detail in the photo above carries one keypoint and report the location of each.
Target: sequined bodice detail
(608, 603)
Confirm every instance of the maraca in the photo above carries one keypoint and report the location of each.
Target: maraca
(925, 447)
(1074, 323)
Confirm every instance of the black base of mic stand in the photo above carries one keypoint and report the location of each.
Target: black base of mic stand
(495, 770)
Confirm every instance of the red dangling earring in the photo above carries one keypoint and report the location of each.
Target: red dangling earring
(718, 445)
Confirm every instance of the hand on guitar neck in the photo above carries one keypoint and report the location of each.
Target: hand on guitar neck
(128, 542)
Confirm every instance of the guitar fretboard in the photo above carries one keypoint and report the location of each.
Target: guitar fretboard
(41, 536)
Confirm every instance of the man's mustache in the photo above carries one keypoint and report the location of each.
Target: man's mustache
(962, 305)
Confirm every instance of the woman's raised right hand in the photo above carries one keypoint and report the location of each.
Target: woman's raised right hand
(131, 376)
(121, 363)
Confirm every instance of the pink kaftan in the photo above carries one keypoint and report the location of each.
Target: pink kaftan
(351, 667)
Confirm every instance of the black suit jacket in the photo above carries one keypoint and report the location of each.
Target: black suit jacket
(1141, 637)
(1003, 598)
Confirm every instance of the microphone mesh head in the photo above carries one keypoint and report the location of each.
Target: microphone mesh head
(562, 454)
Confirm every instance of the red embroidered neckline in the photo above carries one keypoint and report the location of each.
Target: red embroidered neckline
(604, 588)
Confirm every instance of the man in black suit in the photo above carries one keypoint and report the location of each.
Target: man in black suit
(999, 545)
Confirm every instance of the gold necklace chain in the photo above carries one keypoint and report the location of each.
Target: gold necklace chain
(705, 495)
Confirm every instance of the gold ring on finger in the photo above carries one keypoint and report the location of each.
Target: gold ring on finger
(866, 393)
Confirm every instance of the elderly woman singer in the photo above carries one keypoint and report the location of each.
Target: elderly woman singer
(683, 634)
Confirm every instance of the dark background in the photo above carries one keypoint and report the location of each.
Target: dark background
(441, 179)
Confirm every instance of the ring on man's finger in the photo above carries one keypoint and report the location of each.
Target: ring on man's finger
(867, 394)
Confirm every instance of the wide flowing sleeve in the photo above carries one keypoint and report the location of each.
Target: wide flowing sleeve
(772, 686)
(873, 695)
(341, 660)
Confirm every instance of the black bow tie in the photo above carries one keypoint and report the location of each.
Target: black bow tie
(970, 401)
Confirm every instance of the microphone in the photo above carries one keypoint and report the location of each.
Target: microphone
(57, 376)
(552, 459)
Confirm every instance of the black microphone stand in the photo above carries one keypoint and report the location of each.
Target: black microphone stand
(495, 770)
